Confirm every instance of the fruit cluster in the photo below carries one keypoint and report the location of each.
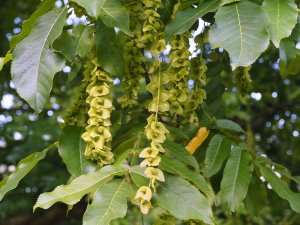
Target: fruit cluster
(97, 135)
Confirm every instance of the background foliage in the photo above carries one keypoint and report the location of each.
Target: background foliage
(269, 115)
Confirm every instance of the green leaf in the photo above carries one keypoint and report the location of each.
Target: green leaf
(82, 32)
(28, 24)
(112, 13)
(284, 172)
(229, 125)
(4, 60)
(217, 151)
(282, 16)
(71, 149)
(66, 45)
(238, 28)
(73, 44)
(129, 143)
(186, 18)
(256, 196)
(287, 51)
(236, 177)
(110, 55)
(92, 7)
(176, 167)
(178, 133)
(72, 193)
(23, 168)
(225, 2)
(122, 156)
(109, 203)
(181, 153)
(281, 187)
(34, 63)
(183, 200)
(76, 66)
(138, 176)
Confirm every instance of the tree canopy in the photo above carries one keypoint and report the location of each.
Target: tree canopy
(149, 112)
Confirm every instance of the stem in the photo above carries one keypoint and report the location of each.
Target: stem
(158, 92)
(250, 136)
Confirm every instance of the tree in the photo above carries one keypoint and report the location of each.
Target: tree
(165, 124)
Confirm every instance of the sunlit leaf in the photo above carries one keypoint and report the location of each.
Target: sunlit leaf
(176, 167)
(72, 193)
(181, 153)
(4, 60)
(109, 203)
(238, 28)
(34, 63)
(283, 16)
(183, 200)
(23, 168)
(28, 24)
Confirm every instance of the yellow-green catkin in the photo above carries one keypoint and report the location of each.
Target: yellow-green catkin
(153, 41)
(97, 135)
(153, 38)
(243, 81)
(134, 57)
(197, 94)
(179, 70)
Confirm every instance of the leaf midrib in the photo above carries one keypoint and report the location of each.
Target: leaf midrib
(236, 175)
(110, 203)
(101, 7)
(241, 31)
(183, 200)
(216, 153)
(79, 40)
(112, 17)
(278, 16)
(187, 176)
(82, 190)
